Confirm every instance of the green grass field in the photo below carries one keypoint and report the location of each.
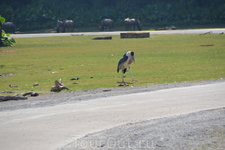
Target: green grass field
(159, 59)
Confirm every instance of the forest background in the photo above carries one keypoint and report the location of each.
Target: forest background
(42, 14)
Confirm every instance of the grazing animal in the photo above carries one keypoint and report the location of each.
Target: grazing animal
(106, 23)
(59, 26)
(172, 27)
(129, 23)
(62, 26)
(9, 27)
(124, 64)
(68, 24)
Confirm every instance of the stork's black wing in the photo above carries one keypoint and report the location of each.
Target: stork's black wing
(121, 62)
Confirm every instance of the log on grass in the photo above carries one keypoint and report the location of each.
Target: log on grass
(103, 38)
(30, 93)
(135, 35)
(208, 45)
(206, 33)
(16, 97)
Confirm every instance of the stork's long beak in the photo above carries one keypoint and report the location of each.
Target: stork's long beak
(132, 56)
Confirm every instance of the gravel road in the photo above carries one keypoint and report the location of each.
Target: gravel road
(198, 130)
(201, 130)
(196, 31)
(76, 96)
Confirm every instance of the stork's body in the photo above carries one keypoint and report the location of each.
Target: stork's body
(124, 63)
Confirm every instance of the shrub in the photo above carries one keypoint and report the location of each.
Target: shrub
(5, 39)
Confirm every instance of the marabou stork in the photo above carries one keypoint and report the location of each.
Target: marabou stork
(124, 64)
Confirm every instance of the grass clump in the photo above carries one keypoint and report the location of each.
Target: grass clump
(159, 59)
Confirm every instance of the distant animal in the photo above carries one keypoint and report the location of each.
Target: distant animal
(130, 24)
(106, 23)
(124, 64)
(9, 27)
(63, 26)
(68, 24)
(59, 26)
(172, 27)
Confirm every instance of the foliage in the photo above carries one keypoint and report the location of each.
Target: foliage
(159, 59)
(2, 19)
(5, 38)
(42, 14)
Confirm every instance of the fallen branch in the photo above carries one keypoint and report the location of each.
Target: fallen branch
(30, 93)
(206, 33)
(74, 79)
(208, 45)
(16, 97)
(103, 38)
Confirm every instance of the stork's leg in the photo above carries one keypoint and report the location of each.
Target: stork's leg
(122, 77)
(131, 74)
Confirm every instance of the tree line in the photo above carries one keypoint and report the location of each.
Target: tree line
(43, 14)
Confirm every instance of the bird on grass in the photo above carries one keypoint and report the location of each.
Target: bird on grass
(124, 64)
